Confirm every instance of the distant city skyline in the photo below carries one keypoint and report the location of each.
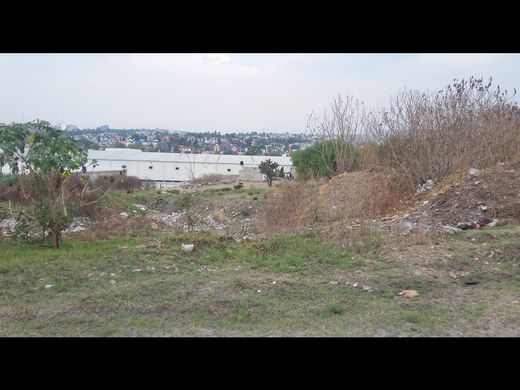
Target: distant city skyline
(221, 92)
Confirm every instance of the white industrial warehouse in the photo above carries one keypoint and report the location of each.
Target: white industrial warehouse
(179, 167)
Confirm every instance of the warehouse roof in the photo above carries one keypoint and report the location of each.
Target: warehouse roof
(137, 155)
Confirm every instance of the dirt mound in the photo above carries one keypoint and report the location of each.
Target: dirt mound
(383, 195)
(366, 194)
(494, 193)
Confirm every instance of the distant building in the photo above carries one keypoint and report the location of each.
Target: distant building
(103, 128)
(170, 167)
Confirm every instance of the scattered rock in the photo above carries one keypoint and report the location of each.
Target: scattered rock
(112, 282)
(49, 285)
(354, 284)
(8, 223)
(154, 226)
(187, 247)
(123, 215)
(473, 173)
(450, 229)
(368, 288)
(259, 291)
(78, 225)
(137, 270)
(425, 186)
(141, 207)
(402, 226)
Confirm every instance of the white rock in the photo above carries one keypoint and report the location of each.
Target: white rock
(187, 247)
(450, 229)
(49, 285)
(123, 215)
(402, 226)
(473, 172)
(8, 223)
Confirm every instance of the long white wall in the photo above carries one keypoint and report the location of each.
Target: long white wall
(172, 170)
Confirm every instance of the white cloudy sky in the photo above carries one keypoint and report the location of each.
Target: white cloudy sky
(223, 92)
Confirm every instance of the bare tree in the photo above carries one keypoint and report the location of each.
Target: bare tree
(344, 127)
(431, 135)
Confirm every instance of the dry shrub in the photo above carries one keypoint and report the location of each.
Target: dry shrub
(368, 156)
(214, 178)
(364, 195)
(12, 191)
(219, 216)
(359, 238)
(282, 204)
(417, 236)
(432, 135)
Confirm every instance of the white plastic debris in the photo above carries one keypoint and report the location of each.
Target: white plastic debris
(49, 285)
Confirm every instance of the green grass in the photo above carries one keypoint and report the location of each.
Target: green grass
(336, 308)
(291, 284)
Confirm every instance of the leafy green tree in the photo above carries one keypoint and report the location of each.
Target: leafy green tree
(48, 157)
(315, 162)
(270, 170)
(321, 159)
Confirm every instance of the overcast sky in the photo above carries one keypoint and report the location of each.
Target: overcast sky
(223, 92)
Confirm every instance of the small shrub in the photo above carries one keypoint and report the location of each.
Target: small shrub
(219, 216)
(336, 308)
